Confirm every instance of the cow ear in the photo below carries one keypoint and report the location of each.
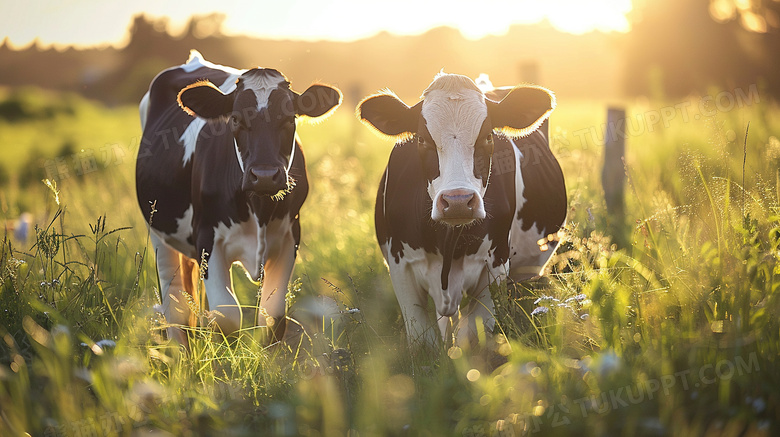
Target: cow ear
(203, 99)
(521, 111)
(318, 101)
(389, 115)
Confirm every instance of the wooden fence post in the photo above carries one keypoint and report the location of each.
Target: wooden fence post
(613, 175)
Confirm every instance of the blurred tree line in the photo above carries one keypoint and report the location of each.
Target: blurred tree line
(674, 48)
(678, 47)
(406, 64)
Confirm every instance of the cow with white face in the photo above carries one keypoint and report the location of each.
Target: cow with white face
(221, 163)
(471, 195)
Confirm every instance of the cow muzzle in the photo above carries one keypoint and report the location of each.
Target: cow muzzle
(458, 207)
(265, 180)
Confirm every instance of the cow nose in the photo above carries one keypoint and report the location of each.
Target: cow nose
(458, 206)
(265, 180)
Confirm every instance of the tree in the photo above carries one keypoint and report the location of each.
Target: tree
(679, 47)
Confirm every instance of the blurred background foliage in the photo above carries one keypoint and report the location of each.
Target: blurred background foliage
(673, 48)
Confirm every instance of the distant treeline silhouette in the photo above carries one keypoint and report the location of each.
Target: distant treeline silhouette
(678, 47)
(675, 49)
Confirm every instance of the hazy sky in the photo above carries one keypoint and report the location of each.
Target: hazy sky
(89, 22)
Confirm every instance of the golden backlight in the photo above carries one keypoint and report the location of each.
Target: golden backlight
(584, 16)
(91, 22)
(354, 19)
(573, 16)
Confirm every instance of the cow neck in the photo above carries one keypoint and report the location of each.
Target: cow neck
(451, 236)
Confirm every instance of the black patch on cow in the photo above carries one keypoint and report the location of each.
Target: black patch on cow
(484, 149)
(160, 176)
(429, 160)
(281, 106)
(451, 237)
(382, 235)
(429, 155)
(245, 108)
(545, 188)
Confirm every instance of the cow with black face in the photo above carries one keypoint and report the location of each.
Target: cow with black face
(221, 164)
(471, 195)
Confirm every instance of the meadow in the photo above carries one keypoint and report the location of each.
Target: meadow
(662, 322)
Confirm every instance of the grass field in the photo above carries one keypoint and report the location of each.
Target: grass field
(673, 332)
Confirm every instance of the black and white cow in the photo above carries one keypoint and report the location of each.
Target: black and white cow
(220, 161)
(471, 195)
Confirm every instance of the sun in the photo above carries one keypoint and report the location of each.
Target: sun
(576, 16)
(494, 17)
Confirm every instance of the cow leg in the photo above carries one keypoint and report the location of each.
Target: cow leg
(445, 323)
(219, 290)
(278, 267)
(174, 284)
(413, 300)
(480, 309)
(190, 276)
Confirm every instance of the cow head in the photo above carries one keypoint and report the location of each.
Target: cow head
(453, 126)
(261, 112)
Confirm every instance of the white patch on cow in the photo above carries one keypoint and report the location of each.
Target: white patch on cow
(464, 275)
(519, 184)
(189, 139)
(296, 140)
(484, 83)
(385, 249)
(178, 240)
(143, 110)
(239, 243)
(196, 61)
(527, 256)
(238, 156)
(229, 84)
(454, 110)
(262, 85)
(184, 225)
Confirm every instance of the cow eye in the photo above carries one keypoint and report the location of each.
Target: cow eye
(488, 144)
(422, 143)
(235, 122)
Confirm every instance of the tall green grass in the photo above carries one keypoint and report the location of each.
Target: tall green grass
(674, 334)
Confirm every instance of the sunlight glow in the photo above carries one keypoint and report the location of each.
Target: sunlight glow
(579, 17)
(92, 22)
